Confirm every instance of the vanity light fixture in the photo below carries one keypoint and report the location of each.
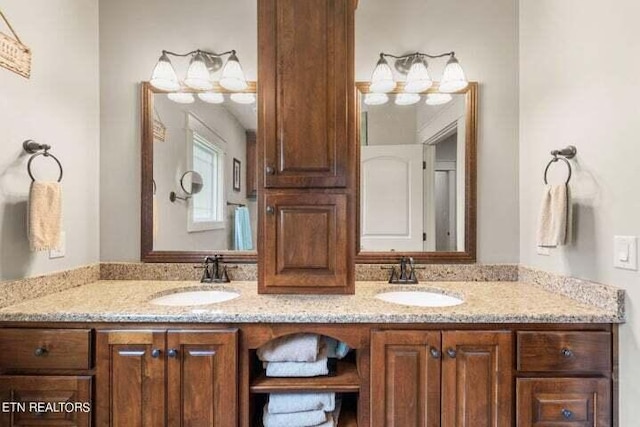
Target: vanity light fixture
(181, 97)
(438, 98)
(211, 97)
(201, 66)
(243, 98)
(373, 98)
(418, 80)
(407, 98)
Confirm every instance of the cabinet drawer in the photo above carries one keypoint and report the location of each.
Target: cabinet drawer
(45, 349)
(564, 401)
(564, 351)
(46, 401)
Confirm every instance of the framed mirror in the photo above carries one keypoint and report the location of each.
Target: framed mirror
(198, 175)
(417, 174)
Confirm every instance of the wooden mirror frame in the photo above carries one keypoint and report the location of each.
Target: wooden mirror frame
(469, 254)
(147, 254)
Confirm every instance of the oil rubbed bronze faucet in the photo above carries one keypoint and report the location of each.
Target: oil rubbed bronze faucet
(214, 271)
(407, 273)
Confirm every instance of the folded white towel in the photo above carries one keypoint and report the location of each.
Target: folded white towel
(282, 403)
(45, 215)
(291, 348)
(300, 369)
(554, 216)
(333, 417)
(297, 419)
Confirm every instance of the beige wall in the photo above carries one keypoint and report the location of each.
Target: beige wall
(58, 106)
(578, 85)
(132, 35)
(484, 35)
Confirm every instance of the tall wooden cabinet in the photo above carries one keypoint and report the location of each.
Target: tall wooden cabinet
(449, 379)
(306, 140)
(175, 378)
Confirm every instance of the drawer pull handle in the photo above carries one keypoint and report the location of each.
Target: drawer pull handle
(435, 353)
(173, 353)
(566, 352)
(40, 351)
(155, 353)
(270, 171)
(452, 353)
(567, 414)
(201, 353)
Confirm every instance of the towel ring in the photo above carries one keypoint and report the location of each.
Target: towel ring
(46, 154)
(555, 159)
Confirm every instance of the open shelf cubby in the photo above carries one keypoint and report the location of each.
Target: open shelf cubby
(345, 380)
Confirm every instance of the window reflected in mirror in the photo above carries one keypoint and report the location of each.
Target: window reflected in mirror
(212, 137)
(412, 172)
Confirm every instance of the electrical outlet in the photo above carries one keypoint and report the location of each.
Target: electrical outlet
(60, 251)
(543, 250)
(625, 252)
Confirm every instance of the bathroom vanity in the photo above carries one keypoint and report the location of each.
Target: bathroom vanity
(511, 354)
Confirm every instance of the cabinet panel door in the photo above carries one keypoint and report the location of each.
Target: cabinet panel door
(405, 379)
(305, 243)
(130, 390)
(306, 91)
(202, 378)
(570, 402)
(477, 379)
(45, 390)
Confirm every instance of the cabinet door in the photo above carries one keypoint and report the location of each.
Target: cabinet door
(31, 395)
(307, 94)
(477, 379)
(251, 166)
(130, 378)
(202, 378)
(405, 378)
(304, 246)
(570, 402)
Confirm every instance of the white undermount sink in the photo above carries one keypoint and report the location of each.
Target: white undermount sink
(419, 298)
(187, 298)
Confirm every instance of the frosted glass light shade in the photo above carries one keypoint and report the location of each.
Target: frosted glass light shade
(453, 78)
(243, 98)
(164, 76)
(376, 98)
(418, 79)
(198, 74)
(407, 98)
(211, 97)
(382, 78)
(232, 77)
(438, 98)
(181, 98)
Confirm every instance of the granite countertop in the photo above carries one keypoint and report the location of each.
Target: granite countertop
(484, 302)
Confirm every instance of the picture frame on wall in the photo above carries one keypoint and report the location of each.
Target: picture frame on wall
(236, 174)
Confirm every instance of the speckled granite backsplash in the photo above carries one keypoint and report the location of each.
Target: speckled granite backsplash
(364, 272)
(14, 291)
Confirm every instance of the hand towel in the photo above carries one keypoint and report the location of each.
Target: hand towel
(243, 240)
(296, 419)
(554, 213)
(300, 369)
(45, 215)
(282, 403)
(336, 349)
(291, 348)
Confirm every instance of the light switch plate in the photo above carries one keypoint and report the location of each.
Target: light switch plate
(625, 252)
(59, 252)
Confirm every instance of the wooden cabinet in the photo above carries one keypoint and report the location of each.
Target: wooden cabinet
(252, 165)
(47, 400)
(196, 372)
(306, 141)
(450, 379)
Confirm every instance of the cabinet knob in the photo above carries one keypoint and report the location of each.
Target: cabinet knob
(566, 352)
(270, 171)
(435, 353)
(452, 353)
(155, 353)
(40, 351)
(270, 210)
(173, 353)
(567, 414)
